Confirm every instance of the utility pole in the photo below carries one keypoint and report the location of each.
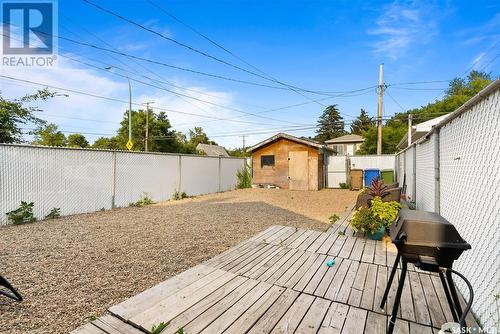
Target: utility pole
(410, 117)
(379, 118)
(147, 126)
(129, 111)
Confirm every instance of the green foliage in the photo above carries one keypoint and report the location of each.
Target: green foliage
(54, 213)
(157, 329)
(330, 124)
(49, 135)
(385, 212)
(144, 200)
(77, 140)
(244, 178)
(107, 143)
(180, 331)
(22, 215)
(178, 195)
(362, 123)
(341, 232)
(333, 218)
(198, 136)
(15, 113)
(92, 318)
(372, 219)
(459, 91)
(344, 185)
(238, 152)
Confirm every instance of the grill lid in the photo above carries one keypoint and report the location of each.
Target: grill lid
(427, 229)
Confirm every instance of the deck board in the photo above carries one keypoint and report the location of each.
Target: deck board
(279, 282)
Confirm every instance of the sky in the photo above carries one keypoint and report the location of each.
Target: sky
(265, 51)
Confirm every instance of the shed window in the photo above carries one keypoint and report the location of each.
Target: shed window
(267, 161)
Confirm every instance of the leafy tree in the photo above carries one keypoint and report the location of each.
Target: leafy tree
(238, 152)
(49, 135)
(198, 136)
(459, 91)
(161, 136)
(107, 143)
(362, 123)
(330, 124)
(77, 140)
(15, 113)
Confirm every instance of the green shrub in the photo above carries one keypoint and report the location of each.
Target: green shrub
(372, 219)
(157, 329)
(178, 195)
(385, 212)
(22, 215)
(54, 213)
(333, 218)
(144, 200)
(344, 185)
(244, 178)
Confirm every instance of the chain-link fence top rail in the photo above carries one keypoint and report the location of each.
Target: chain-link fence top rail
(87, 180)
(466, 189)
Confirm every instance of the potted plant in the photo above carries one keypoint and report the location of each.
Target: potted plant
(374, 220)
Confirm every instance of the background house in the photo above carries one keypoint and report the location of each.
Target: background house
(212, 150)
(419, 130)
(288, 162)
(345, 145)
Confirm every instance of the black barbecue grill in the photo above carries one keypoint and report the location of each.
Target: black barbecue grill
(432, 244)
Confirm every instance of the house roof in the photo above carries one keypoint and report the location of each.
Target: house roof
(308, 142)
(345, 139)
(212, 150)
(419, 130)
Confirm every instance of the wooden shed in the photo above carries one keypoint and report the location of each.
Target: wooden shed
(288, 162)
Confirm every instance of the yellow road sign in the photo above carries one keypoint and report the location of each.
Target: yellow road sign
(130, 145)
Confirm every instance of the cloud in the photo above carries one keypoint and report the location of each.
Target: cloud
(401, 26)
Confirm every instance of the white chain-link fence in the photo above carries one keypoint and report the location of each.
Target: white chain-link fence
(87, 180)
(457, 173)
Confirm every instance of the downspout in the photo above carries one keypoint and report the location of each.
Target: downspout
(414, 172)
(437, 172)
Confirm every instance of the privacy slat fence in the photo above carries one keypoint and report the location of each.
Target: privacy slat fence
(87, 180)
(455, 170)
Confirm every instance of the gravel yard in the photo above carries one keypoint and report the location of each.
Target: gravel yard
(72, 268)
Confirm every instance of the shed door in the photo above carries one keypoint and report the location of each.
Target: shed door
(298, 170)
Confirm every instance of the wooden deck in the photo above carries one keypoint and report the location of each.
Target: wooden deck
(278, 282)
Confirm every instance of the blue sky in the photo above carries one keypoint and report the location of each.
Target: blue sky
(317, 45)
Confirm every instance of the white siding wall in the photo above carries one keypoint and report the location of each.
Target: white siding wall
(81, 180)
(469, 194)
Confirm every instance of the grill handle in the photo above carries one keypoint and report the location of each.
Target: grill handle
(401, 238)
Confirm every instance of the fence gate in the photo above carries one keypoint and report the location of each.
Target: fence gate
(336, 170)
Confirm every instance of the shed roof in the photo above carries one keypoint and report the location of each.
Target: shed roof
(212, 150)
(308, 142)
(346, 139)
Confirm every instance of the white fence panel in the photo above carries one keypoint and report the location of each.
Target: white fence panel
(468, 194)
(470, 197)
(409, 158)
(386, 161)
(154, 174)
(424, 192)
(73, 180)
(199, 175)
(401, 168)
(86, 180)
(229, 167)
(336, 171)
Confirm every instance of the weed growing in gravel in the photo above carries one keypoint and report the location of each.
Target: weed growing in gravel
(92, 318)
(144, 200)
(179, 195)
(156, 329)
(180, 331)
(54, 213)
(244, 178)
(22, 215)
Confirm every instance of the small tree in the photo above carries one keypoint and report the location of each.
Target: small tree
(49, 135)
(77, 140)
